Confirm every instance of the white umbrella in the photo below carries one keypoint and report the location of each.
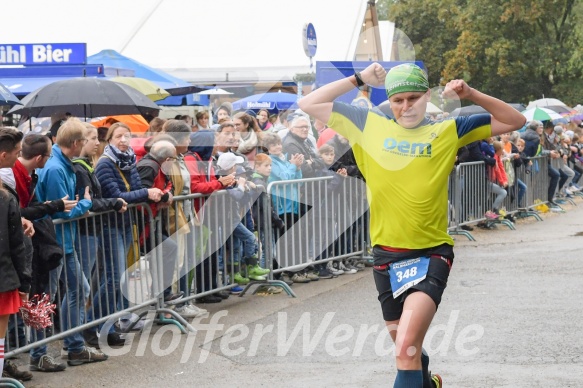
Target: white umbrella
(544, 102)
(214, 91)
(541, 114)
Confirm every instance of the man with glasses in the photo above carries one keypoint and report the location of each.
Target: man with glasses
(297, 142)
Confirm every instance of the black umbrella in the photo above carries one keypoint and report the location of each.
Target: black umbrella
(85, 97)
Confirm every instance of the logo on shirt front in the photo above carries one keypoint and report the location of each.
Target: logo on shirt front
(406, 148)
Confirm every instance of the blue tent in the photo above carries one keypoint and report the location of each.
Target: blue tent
(270, 101)
(175, 86)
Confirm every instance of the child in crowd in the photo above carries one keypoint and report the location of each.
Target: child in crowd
(285, 201)
(338, 172)
(498, 181)
(259, 178)
(241, 192)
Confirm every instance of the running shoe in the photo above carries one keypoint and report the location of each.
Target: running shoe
(436, 380)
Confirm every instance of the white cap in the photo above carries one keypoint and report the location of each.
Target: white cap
(227, 160)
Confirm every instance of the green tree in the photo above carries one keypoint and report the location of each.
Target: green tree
(517, 50)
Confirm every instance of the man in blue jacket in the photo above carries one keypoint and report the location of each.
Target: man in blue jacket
(56, 181)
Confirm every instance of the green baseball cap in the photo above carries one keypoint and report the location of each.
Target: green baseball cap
(407, 77)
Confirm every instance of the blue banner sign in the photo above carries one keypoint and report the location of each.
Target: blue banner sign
(43, 53)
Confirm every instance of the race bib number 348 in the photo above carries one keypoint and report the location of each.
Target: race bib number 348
(406, 273)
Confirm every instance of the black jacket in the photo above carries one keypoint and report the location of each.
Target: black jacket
(14, 273)
(293, 144)
(259, 206)
(86, 177)
(344, 155)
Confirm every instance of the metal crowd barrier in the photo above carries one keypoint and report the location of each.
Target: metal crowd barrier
(105, 247)
(472, 194)
(189, 248)
(323, 221)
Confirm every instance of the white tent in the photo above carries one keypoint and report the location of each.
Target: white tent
(210, 41)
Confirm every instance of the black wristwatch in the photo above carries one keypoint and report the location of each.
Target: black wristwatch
(359, 81)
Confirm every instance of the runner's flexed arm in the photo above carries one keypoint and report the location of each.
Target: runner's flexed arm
(504, 117)
(319, 102)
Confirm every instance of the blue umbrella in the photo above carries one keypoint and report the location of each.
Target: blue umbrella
(7, 97)
(173, 85)
(270, 101)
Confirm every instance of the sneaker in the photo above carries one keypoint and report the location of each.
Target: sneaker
(239, 279)
(223, 294)
(269, 290)
(12, 372)
(347, 269)
(555, 208)
(485, 225)
(85, 356)
(300, 277)
(115, 339)
(257, 270)
(312, 276)
(467, 227)
(360, 266)
(257, 278)
(285, 278)
(90, 338)
(236, 290)
(210, 299)
(334, 270)
(491, 215)
(190, 311)
(170, 297)
(325, 274)
(437, 381)
(125, 323)
(568, 192)
(46, 364)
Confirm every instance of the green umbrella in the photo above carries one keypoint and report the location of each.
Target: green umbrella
(540, 114)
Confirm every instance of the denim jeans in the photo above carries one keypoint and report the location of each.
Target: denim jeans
(500, 195)
(72, 306)
(110, 297)
(553, 182)
(566, 177)
(242, 235)
(263, 263)
(88, 248)
(521, 190)
(37, 335)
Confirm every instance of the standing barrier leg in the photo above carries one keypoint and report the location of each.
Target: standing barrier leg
(10, 383)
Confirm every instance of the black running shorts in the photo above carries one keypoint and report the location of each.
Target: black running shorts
(433, 285)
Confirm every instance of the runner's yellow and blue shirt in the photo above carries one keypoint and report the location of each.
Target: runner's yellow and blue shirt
(406, 171)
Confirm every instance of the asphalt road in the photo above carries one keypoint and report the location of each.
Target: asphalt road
(510, 317)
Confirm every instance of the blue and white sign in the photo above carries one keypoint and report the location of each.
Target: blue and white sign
(406, 273)
(310, 40)
(43, 53)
